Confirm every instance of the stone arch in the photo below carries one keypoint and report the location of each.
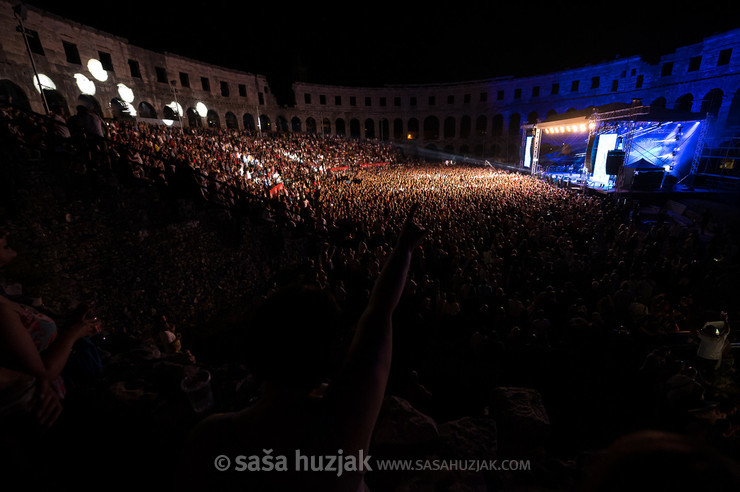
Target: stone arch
(354, 128)
(497, 126)
(12, 93)
(465, 125)
(146, 110)
(169, 114)
(550, 114)
(659, 103)
(384, 128)
(733, 115)
(449, 127)
(296, 125)
(193, 118)
(711, 102)
(515, 121)
(684, 103)
(212, 119)
(340, 127)
(55, 99)
(231, 121)
(248, 122)
(265, 123)
(532, 117)
(90, 103)
(398, 129)
(120, 109)
(282, 124)
(412, 132)
(481, 125)
(311, 125)
(326, 126)
(431, 128)
(369, 128)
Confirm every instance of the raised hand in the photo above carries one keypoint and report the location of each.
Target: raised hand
(411, 233)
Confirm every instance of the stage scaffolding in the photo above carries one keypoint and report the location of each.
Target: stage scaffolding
(616, 149)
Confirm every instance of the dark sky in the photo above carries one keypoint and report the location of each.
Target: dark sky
(382, 42)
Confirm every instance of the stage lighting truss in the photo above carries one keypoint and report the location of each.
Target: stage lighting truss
(579, 128)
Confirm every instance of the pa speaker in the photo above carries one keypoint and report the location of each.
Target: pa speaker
(590, 154)
(614, 160)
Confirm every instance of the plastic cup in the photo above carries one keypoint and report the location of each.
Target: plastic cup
(197, 387)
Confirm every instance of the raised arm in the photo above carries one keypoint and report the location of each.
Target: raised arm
(18, 348)
(358, 391)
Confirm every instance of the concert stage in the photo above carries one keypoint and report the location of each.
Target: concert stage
(627, 149)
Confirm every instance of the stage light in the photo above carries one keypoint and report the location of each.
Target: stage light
(583, 127)
(85, 85)
(176, 108)
(562, 129)
(43, 81)
(130, 108)
(126, 93)
(201, 109)
(96, 69)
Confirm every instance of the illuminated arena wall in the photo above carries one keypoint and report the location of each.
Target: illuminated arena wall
(479, 119)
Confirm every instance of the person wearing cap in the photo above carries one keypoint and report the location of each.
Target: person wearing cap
(713, 337)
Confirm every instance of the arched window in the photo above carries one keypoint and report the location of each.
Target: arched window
(369, 128)
(711, 103)
(354, 128)
(397, 129)
(146, 110)
(310, 125)
(449, 127)
(498, 125)
(213, 120)
(413, 129)
(465, 124)
(684, 103)
(481, 125)
(515, 121)
(733, 116)
(431, 128)
(231, 122)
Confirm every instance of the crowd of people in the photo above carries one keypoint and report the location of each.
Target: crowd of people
(516, 281)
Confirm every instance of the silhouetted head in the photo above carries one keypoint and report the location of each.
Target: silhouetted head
(293, 338)
(656, 460)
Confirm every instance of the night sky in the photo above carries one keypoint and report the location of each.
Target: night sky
(381, 42)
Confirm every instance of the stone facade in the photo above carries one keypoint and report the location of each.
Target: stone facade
(469, 117)
(61, 49)
(474, 118)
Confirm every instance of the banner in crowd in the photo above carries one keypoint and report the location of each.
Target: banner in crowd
(278, 188)
(367, 164)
